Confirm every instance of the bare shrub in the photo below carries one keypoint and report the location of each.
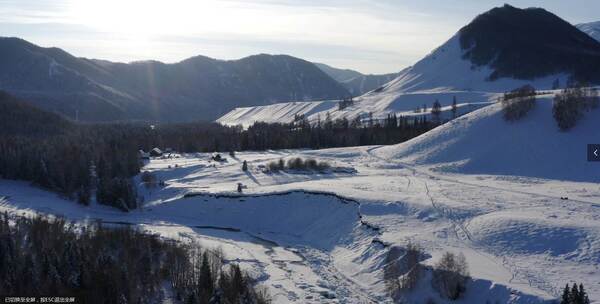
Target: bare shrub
(450, 276)
(517, 103)
(299, 164)
(296, 164)
(323, 165)
(276, 166)
(571, 103)
(402, 270)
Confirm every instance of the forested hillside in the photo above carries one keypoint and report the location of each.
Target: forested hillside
(194, 89)
(96, 264)
(80, 160)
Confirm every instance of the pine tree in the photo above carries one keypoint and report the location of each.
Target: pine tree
(454, 107)
(574, 299)
(436, 111)
(565, 299)
(583, 297)
(205, 280)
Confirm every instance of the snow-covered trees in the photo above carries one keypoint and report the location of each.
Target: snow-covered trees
(113, 265)
(517, 103)
(570, 105)
(450, 275)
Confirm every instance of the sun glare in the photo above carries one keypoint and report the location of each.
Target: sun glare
(182, 17)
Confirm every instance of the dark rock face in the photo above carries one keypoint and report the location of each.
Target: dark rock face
(530, 43)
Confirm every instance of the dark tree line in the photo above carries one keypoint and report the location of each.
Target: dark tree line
(101, 159)
(86, 161)
(329, 133)
(112, 265)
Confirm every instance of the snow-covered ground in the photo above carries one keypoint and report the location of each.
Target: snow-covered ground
(490, 189)
(443, 75)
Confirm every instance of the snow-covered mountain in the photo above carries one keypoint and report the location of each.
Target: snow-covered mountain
(198, 88)
(591, 28)
(355, 82)
(498, 51)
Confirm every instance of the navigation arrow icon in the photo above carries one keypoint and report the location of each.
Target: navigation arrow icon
(593, 152)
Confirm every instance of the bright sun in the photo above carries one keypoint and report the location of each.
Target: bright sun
(184, 17)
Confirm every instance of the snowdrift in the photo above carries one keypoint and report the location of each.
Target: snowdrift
(482, 142)
(533, 232)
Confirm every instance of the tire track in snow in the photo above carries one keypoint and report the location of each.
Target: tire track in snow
(532, 280)
(456, 181)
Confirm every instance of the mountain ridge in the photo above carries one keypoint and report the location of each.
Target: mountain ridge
(357, 83)
(459, 70)
(196, 88)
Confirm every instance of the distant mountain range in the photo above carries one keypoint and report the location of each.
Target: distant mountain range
(591, 28)
(355, 82)
(500, 50)
(198, 88)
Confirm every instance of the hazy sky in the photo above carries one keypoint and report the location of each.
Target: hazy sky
(369, 36)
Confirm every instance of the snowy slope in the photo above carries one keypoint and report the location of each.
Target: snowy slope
(483, 143)
(591, 28)
(522, 242)
(476, 185)
(445, 69)
(441, 75)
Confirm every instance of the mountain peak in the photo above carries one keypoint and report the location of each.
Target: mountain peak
(529, 43)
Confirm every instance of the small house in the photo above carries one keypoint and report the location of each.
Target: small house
(156, 152)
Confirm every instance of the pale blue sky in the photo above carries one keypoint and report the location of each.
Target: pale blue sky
(369, 36)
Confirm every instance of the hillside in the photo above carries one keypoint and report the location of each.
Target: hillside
(483, 59)
(18, 117)
(198, 88)
(482, 142)
(355, 82)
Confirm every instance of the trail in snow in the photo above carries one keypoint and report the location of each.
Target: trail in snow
(534, 280)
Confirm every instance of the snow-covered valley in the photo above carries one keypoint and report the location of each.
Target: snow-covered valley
(493, 190)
